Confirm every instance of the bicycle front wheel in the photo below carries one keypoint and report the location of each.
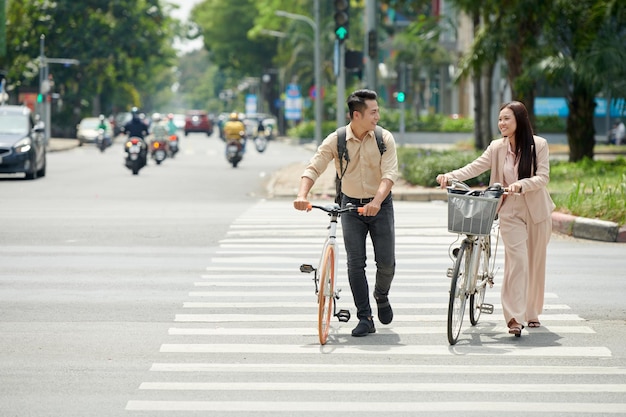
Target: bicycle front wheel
(478, 297)
(458, 292)
(326, 294)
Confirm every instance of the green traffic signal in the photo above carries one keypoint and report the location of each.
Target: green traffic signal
(401, 96)
(342, 19)
(342, 33)
(39, 98)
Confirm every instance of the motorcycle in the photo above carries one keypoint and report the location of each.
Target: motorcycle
(159, 150)
(136, 154)
(173, 145)
(102, 141)
(234, 152)
(260, 141)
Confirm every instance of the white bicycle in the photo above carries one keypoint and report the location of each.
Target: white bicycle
(471, 213)
(325, 273)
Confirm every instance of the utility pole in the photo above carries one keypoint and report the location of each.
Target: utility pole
(371, 39)
(317, 63)
(340, 50)
(3, 29)
(342, 32)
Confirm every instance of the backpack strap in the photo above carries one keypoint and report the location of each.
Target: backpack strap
(378, 133)
(342, 150)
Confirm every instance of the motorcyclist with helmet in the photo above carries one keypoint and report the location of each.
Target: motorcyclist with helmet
(171, 126)
(234, 129)
(106, 129)
(137, 128)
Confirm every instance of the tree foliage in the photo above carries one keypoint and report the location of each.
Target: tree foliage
(124, 49)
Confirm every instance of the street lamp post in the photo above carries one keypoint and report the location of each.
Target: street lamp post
(318, 71)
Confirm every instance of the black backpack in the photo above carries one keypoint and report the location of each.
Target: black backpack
(343, 154)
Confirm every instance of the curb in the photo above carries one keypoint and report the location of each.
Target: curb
(585, 228)
(57, 145)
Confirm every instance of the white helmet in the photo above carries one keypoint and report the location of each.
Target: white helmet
(156, 117)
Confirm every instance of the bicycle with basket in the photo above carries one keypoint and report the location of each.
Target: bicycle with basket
(471, 213)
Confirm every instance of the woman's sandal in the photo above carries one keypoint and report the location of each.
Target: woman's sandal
(515, 328)
(534, 323)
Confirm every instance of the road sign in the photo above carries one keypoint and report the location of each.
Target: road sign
(293, 102)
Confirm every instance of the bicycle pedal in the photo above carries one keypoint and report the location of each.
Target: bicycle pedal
(343, 315)
(449, 272)
(486, 308)
(306, 268)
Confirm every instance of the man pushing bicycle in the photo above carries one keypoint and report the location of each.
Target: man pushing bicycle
(368, 168)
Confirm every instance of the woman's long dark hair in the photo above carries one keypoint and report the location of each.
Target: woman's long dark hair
(524, 141)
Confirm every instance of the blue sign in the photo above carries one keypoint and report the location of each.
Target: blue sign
(293, 102)
(557, 106)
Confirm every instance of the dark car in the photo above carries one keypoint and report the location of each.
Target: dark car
(198, 121)
(22, 142)
(119, 121)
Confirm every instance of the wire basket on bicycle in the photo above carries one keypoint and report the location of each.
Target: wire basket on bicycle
(473, 212)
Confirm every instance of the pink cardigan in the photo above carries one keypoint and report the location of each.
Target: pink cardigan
(534, 190)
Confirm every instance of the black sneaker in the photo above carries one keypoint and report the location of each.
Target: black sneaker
(385, 313)
(365, 327)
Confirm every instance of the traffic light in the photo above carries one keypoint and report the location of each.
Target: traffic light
(39, 98)
(342, 19)
(400, 96)
(372, 44)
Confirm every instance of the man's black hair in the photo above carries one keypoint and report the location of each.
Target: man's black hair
(356, 100)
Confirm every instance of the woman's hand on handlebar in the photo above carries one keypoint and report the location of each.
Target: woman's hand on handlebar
(443, 180)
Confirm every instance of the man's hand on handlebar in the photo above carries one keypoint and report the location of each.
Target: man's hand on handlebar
(301, 203)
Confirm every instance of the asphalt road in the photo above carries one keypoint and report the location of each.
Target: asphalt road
(176, 292)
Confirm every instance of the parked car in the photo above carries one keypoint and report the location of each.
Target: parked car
(87, 130)
(22, 142)
(198, 121)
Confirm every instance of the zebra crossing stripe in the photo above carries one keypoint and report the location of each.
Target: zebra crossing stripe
(382, 387)
(221, 318)
(382, 407)
(338, 368)
(441, 350)
(312, 330)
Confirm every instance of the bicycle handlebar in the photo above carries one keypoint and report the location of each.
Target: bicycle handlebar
(497, 187)
(334, 208)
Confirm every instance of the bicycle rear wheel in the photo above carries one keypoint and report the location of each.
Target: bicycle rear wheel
(458, 293)
(478, 297)
(326, 294)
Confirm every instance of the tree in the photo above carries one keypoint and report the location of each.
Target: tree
(124, 48)
(588, 58)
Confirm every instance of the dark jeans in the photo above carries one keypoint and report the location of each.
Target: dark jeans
(381, 229)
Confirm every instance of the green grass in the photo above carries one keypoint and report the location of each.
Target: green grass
(593, 189)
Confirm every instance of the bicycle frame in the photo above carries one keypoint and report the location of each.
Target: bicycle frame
(325, 273)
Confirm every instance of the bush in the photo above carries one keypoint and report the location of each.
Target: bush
(421, 166)
(549, 124)
(306, 130)
(390, 120)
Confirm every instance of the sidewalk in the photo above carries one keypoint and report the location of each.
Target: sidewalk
(284, 183)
